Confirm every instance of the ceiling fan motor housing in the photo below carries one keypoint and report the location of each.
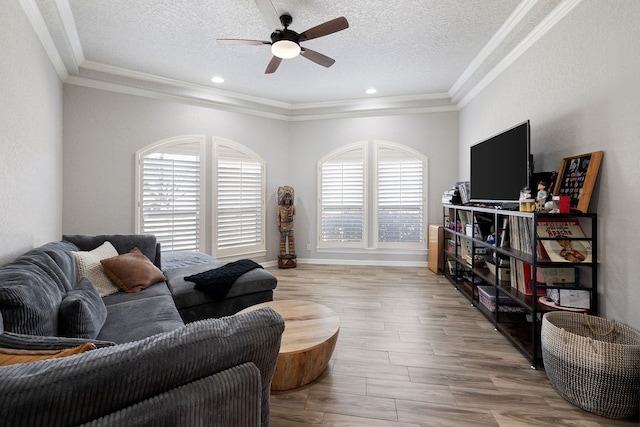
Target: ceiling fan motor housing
(285, 34)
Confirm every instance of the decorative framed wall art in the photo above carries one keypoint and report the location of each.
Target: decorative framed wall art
(577, 177)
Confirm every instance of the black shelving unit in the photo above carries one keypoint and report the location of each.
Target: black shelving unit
(513, 308)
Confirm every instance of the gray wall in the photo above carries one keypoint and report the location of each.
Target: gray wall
(30, 138)
(103, 130)
(433, 134)
(580, 88)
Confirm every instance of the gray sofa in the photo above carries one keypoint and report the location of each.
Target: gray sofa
(149, 368)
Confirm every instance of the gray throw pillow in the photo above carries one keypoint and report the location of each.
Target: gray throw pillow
(82, 312)
(29, 298)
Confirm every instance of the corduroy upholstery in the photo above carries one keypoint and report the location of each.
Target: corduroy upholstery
(149, 369)
(212, 401)
(110, 382)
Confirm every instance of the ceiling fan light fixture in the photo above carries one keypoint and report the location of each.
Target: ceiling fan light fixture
(285, 49)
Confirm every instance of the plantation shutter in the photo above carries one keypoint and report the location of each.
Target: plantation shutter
(239, 199)
(342, 197)
(171, 200)
(400, 196)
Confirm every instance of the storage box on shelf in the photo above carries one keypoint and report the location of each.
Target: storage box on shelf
(482, 241)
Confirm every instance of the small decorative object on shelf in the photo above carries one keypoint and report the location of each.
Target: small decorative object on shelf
(577, 178)
(542, 195)
(527, 204)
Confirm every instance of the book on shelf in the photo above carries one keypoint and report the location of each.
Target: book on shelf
(464, 189)
(522, 277)
(555, 275)
(503, 234)
(554, 246)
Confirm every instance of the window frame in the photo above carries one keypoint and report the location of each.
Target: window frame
(365, 212)
(423, 244)
(258, 248)
(139, 180)
(371, 159)
(208, 241)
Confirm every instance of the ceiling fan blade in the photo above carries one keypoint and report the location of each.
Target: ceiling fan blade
(327, 28)
(317, 57)
(269, 13)
(273, 65)
(244, 42)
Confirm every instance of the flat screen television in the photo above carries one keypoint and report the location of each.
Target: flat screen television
(501, 166)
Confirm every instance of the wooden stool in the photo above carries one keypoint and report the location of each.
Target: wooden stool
(309, 338)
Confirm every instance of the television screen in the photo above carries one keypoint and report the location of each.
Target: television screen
(500, 166)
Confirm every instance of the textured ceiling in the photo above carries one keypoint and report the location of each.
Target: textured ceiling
(404, 48)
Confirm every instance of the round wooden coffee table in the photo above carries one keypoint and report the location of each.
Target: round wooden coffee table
(310, 335)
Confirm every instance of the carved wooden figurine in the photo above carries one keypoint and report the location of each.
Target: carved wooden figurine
(286, 216)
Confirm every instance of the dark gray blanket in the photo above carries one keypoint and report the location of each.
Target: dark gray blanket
(217, 281)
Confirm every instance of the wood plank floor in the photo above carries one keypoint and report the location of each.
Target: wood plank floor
(413, 352)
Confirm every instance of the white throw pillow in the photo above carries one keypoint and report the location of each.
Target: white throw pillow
(88, 265)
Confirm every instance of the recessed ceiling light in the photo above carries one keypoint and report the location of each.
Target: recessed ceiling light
(371, 91)
(217, 79)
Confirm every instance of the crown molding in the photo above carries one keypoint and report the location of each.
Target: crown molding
(540, 30)
(81, 72)
(110, 78)
(108, 72)
(71, 33)
(494, 43)
(40, 27)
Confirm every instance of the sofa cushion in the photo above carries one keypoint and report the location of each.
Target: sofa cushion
(88, 265)
(140, 318)
(123, 243)
(13, 356)
(255, 281)
(82, 312)
(132, 272)
(152, 291)
(177, 259)
(29, 298)
(61, 254)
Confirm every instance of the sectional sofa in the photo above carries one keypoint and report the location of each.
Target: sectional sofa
(127, 357)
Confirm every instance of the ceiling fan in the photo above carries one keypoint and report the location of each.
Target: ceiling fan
(285, 43)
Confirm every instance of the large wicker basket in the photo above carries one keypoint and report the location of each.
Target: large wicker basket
(592, 362)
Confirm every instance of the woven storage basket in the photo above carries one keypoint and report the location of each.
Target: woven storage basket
(592, 362)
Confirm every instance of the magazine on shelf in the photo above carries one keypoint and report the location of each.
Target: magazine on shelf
(558, 249)
(566, 275)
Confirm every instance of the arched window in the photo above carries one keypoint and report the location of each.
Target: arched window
(372, 195)
(240, 199)
(342, 208)
(169, 192)
(174, 204)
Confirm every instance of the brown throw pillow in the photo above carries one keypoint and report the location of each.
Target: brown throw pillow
(10, 356)
(132, 272)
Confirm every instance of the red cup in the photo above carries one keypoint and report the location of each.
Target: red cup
(563, 204)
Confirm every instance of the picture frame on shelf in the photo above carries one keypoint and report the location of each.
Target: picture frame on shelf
(577, 178)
